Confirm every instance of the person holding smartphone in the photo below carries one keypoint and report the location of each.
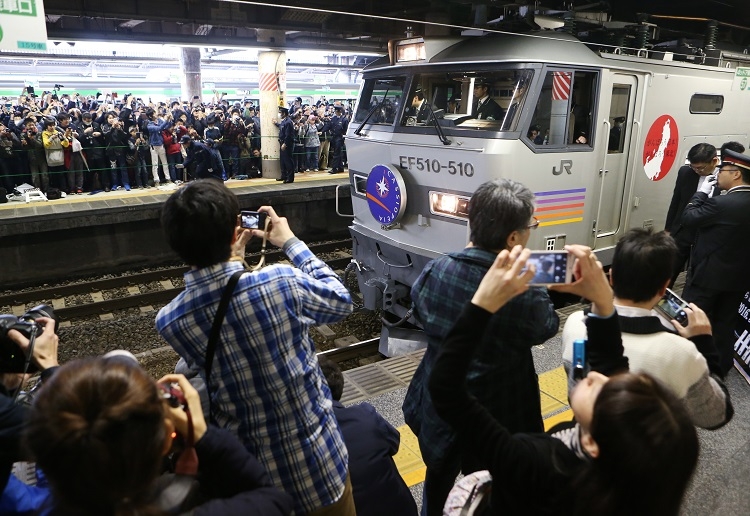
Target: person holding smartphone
(683, 358)
(277, 403)
(502, 377)
(632, 448)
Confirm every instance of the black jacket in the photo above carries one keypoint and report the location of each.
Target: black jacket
(719, 258)
(372, 441)
(684, 189)
(488, 109)
(521, 465)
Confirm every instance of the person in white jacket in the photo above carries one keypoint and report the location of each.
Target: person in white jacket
(682, 358)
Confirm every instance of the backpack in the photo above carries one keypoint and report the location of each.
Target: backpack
(53, 194)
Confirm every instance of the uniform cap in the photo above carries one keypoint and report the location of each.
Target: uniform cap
(735, 159)
(185, 139)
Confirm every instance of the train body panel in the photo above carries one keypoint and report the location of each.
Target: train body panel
(597, 138)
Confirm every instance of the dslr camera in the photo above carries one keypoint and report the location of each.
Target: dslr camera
(12, 358)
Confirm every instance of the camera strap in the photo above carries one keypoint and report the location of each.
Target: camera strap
(262, 260)
(216, 328)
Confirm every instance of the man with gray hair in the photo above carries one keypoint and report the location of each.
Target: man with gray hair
(502, 376)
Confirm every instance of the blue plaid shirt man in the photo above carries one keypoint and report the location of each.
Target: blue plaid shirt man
(266, 385)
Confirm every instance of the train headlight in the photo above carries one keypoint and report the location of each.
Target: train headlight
(449, 205)
(410, 50)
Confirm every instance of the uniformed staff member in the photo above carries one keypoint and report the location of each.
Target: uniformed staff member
(199, 153)
(717, 277)
(485, 108)
(337, 125)
(286, 143)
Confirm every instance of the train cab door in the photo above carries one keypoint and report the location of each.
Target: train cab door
(620, 105)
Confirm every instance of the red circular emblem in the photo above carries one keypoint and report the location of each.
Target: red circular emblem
(660, 149)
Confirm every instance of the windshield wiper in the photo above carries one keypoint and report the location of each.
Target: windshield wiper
(372, 112)
(439, 129)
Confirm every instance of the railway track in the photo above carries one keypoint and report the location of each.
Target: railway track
(96, 289)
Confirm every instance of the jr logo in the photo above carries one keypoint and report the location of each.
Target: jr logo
(565, 165)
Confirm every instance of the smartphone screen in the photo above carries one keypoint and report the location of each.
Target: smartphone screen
(252, 219)
(551, 267)
(672, 306)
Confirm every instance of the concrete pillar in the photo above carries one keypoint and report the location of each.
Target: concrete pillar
(190, 66)
(272, 86)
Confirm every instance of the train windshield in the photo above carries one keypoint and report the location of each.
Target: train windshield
(491, 100)
(380, 101)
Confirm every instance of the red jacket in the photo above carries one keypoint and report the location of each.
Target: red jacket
(172, 145)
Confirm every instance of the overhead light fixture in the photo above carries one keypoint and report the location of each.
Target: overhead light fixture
(548, 22)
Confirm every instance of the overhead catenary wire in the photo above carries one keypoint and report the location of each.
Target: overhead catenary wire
(448, 25)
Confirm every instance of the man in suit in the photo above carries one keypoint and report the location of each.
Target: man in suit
(518, 95)
(485, 107)
(372, 442)
(419, 108)
(703, 161)
(717, 277)
(286, 142)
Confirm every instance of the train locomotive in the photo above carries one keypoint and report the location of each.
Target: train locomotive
(596, 131)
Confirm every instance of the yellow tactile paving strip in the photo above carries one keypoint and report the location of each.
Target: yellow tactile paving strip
(554, 394)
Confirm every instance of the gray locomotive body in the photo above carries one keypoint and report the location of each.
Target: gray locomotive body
(597, 136)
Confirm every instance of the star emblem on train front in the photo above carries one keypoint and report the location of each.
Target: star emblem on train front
(386, 194)
(382, 187)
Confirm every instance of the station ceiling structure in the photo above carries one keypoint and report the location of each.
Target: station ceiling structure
(333, 25)
(352, 33)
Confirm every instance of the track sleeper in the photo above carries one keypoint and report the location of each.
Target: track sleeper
(345, 341)
(58, 303)
(97, 297)
(325, 331)
(166, 284)
(19, 310)
(106, 317)
(132, 290)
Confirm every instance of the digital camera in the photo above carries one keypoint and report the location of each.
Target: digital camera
(12, 358)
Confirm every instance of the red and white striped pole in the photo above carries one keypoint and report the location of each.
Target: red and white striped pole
(561, 84)
(272, 85)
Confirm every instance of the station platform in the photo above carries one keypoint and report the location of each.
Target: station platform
(111, 231)
(719, 483)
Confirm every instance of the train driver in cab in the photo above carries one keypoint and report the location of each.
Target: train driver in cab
(419, 108)
(485, 107)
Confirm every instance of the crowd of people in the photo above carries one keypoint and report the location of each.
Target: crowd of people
(77, 145)
(256, 426)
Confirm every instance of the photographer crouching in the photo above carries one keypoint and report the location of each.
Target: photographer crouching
(27, 344)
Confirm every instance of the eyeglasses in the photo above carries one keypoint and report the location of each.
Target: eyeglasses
(703, 168)
(534, 224)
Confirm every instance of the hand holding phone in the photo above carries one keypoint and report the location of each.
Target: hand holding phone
(552, 267)
(579, 359)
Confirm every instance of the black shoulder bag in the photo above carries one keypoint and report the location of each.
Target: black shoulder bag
(226, 296)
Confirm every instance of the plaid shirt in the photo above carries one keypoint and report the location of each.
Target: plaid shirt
(266, 385)
(501, 375)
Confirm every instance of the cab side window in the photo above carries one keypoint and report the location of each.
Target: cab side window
(564, 111)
